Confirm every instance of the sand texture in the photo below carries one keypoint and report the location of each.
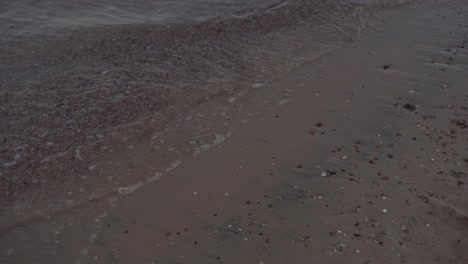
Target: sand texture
(360, 156)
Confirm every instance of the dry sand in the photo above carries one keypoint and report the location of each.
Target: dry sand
(366, 162)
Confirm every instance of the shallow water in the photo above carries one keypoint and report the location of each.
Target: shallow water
(39, 17)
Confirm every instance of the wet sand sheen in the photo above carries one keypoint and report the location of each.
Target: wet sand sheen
(365, 162)
(71, 97)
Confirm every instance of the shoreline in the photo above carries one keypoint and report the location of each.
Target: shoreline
(102, 91)
(363, 161)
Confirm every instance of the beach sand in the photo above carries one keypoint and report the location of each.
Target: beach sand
(364, 159)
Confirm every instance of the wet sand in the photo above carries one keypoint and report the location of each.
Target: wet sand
(363, 160)
(72, 93)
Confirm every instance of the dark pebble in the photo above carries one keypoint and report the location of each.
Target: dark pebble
(409, 107)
